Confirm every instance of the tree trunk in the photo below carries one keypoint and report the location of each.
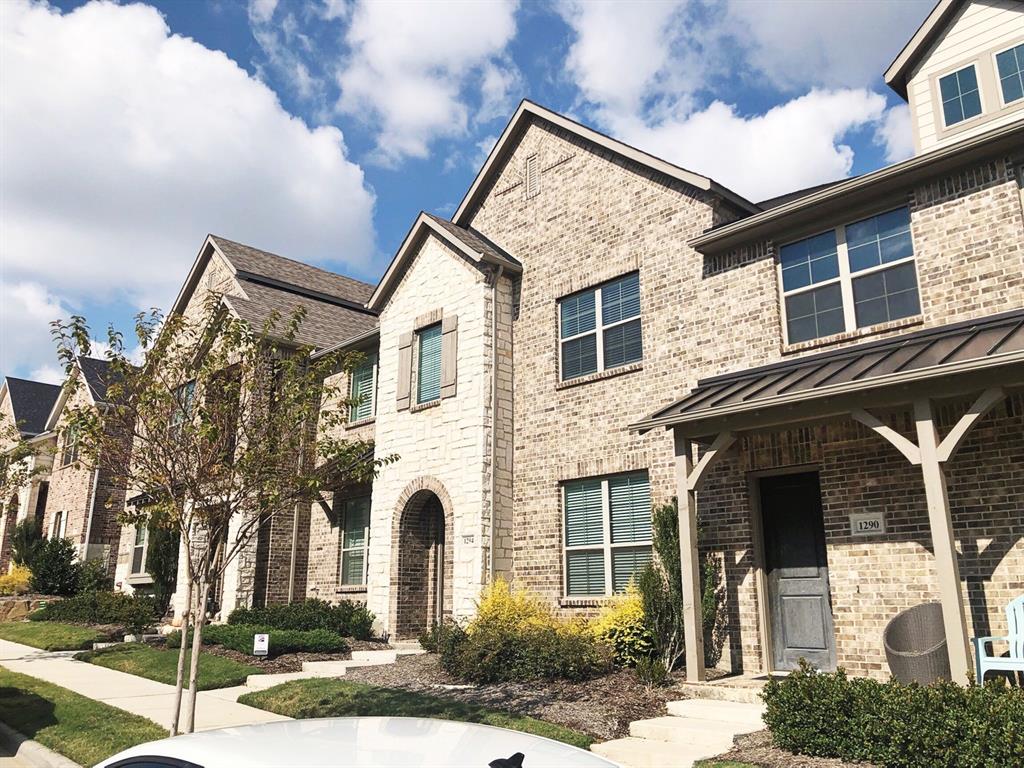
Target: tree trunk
(179, 680)
(197, 644)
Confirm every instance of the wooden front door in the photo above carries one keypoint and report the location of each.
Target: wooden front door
(797, 568)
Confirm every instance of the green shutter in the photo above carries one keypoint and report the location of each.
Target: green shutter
(585, 572)
(630, 500)
(583, 513)
(428, 377)
(625, 563)
(361, 389)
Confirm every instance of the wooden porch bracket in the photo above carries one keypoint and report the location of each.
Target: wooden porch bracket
(902, 444)
(688, 479)
(986, 401)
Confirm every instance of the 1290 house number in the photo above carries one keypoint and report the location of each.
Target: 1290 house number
(867, 524)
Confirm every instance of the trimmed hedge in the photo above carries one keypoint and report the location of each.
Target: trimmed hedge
(134, 612)
(894, 725)
(346, 618)
(238, 637)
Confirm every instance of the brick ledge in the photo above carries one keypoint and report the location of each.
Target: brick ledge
(600, 375)
(839, 338)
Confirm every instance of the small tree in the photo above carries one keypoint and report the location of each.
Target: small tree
(162, 564)
(217, 431)
(25, 542)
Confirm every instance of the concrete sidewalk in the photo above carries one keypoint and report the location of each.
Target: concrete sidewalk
(128, 692)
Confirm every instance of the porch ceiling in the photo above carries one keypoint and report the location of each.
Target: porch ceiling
(940, 362)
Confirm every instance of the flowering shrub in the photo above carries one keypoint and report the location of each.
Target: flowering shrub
(622, 626)
(15, 582)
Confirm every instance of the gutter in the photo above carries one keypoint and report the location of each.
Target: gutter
(759, 225)
(349, 342)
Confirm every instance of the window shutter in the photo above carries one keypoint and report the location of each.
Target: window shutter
(404, 383)
(449, 354)
(630, 507)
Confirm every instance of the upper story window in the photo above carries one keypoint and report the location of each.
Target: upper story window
(961, 98)
(139, 550)
(1010, 70)
(851, 277)
(428, 368)
(355, 537)
(184, 400)
(607, 532)
(362, 389)
(599, 329)
(70, 452)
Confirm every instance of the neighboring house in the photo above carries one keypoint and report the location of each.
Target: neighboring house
(597, 330)
(27, 404)
(83, 501)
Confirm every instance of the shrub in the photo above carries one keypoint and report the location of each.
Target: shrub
(162, 565)
(515, 637)
(894, 725)
(16, 581)
(347, 618)
(26, 539)
(651, 672)
(622, 625)
(134, 612)
(239, 637)
(54, 569)
(93, 577)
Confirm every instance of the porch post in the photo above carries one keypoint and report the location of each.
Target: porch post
(689, 560)
(941, 524)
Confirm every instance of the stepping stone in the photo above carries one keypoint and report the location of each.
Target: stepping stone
(744, 716)
(642, 753)
(716, 737)
(377, 657)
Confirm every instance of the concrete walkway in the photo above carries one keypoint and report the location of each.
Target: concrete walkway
(214, 709)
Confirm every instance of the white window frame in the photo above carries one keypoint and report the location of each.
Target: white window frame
(373, 390)
(599, 328)
(72, 450)
(976, 64)
(135, 546)
(59, 526)
(845, 278)
(607, 546)
(342, 549)
(1003, 103)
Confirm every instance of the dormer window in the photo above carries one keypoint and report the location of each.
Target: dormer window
(1010, 69)
(961, 98)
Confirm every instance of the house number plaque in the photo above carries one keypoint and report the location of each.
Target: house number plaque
(867, 524)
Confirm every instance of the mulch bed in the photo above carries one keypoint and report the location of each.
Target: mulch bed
(290, 662)
(602, 708)
(757, 749)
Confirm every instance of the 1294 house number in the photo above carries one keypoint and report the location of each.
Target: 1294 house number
(867, 524)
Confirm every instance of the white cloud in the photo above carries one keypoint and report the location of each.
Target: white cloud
(411, 65)
(48, 374)
(261, 11)
(896, 134)
(124, 145)
(795, 145)
(26, 310)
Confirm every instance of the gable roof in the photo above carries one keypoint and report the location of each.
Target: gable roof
(934, 25)
(98, 376)
(335, 304)
(467, 242)
(31, 402)
(529, 111)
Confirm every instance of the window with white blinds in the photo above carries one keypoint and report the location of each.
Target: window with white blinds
(428, 369)
(600, 329)
(362, 389)
(607, 532)
(355, 537)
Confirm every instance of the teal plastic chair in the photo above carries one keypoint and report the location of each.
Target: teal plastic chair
(985, 662)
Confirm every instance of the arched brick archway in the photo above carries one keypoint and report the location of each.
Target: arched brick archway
(421, 570)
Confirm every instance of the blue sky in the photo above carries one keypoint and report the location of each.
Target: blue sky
(319, 128)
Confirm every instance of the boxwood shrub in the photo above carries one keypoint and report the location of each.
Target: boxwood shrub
(894, 725)
(239, 637)
(346, 618)
(134, 612)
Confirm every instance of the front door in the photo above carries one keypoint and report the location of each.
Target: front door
(797, 569)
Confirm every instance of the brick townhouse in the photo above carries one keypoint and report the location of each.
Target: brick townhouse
(829, 381)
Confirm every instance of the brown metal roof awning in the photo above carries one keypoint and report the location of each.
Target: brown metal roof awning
(937, 362)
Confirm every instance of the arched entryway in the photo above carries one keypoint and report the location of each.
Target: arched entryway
(423, 568)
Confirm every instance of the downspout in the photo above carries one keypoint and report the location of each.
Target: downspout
(494, 414)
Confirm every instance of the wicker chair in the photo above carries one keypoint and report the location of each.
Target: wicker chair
(915, 645)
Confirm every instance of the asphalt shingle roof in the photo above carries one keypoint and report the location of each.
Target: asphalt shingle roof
(475, 241)
(98, 375)
(32, 402)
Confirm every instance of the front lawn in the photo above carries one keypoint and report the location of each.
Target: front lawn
(162, 665)
(340, 698)
(81, 729)
(49, 635)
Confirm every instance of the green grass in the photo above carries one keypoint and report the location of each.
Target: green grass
(84, 730)
(162, 665)
(341, 698)
(50, 635)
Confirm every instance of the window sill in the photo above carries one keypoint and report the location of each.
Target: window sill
(838, 338)
(424, 406)
(139, 579)
(351, 589)
(360, 422)
(583, 602)
(600, 375)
